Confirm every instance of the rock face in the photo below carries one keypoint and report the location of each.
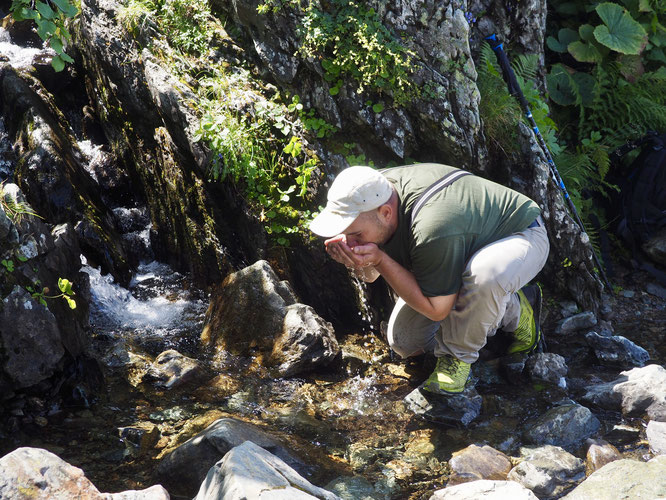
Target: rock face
(624, 479)
(39, 474)
(183, 470)
(249, 471)
(252, 311)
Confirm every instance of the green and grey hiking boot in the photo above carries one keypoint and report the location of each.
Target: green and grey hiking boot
(528, 334)
(449, 376)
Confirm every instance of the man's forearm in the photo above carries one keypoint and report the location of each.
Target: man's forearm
(405, 285)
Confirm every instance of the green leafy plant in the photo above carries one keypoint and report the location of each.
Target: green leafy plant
(66, 293)
(51, 17)
(14, 209)
(350, 41)
(8, 264)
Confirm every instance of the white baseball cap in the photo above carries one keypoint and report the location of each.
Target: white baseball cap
(354, 190)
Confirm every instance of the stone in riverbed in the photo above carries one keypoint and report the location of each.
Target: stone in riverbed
(656, 435)
(617, 350)
(478, 462)
(599, 454)
(184, 468)
(454, 410)
(548, 367)
(39, 474)
(634, 392)
(249, 471)
(486, 489)
(171, 370)
(575, 323)
(567, 426)
(624, 479)
(548, 471)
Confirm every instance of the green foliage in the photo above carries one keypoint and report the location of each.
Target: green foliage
(66, 293)
(14, 209)
(349, 40)
(273, 172)
(51, 17)
(185, 23)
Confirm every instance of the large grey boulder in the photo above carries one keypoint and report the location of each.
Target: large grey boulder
(32, 346)
(548, 471)
(184, 468)
(568, 426)
(486, 489)
(40, 475)
(253, 311)
(634, 392)
(624, 479)
(249, 471)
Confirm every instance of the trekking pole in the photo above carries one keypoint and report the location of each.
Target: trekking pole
(515, 91)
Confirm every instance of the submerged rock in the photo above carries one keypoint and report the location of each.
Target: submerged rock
(567, 426)
(548, 471)
(172, 370)
(599, 454)
(249, 471)
(184, 468)
(486, 489)
(41, 475)
(617, 350)
(624, 479)
(456, 409)
(478, 462)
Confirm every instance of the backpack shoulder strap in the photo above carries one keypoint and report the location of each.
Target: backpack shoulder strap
(435, 188)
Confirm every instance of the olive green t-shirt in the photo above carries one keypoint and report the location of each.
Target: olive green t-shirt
(465, 216)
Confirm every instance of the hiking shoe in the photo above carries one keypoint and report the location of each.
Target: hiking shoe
(449, 376)
(526, 337)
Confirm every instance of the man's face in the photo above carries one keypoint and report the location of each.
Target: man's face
(369, 227)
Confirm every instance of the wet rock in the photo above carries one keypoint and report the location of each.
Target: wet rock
(455, 409)
(31, 343)
(566, 426)
(623, 434)
(184, 468)
(41, 475)
(599, 454)
(492, 490)
(513, 367)
(548, 367)
(172, 370)
(656, 290)
(256, 295)
(139, 438)
(548, 471)
(575, 323)
(478, 462)
(636, 391)
(656, 435)
(353, 488)
(617, 350)
(289, 335)
(307, 341)
(249, 471)
(624, 479)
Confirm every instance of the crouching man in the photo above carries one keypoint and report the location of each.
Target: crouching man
(457, 249)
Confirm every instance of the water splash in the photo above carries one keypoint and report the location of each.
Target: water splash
(155, 302)
(21, 57)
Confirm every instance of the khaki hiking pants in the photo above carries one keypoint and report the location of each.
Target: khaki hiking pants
(487, 300)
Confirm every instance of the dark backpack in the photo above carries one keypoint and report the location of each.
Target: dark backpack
(643, 196)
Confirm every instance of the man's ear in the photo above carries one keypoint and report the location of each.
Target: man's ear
(385, 212)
